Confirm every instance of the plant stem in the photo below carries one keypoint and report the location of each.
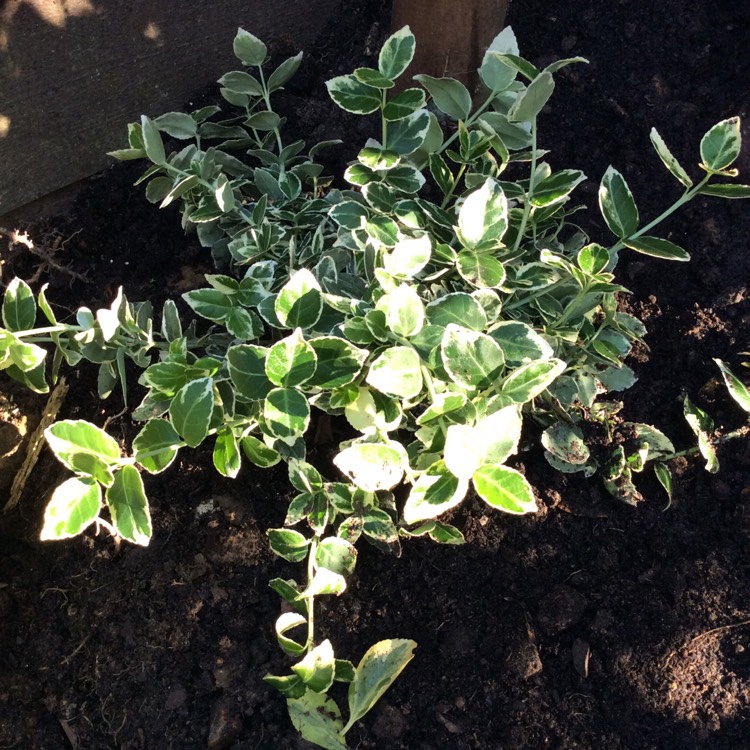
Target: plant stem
(533, 295)
(383, 122)
(470, 120)
(454, 184)
(687, 196)
(267, 100)
(62, 328)
(695, 450)
(532, 185)
(311, 599)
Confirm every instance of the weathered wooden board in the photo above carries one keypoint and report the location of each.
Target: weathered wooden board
(452, 35)
(74, 72)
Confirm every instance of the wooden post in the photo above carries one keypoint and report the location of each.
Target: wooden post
(452, 35)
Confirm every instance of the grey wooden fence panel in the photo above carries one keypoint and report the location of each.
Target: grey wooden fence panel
(74, 72)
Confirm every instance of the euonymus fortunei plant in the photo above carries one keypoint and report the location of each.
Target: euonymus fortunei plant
(441, 303)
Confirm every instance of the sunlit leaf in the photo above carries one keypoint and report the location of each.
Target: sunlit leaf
(74, 506)
(128, 506)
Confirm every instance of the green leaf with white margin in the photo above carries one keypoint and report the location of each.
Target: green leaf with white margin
(556, 188)
(247, 369)
(152, 141)
(324, 582)
(177, 124)
(442, 533)
(736, 192)
(72, 440)
(435, 492)
(499, 433)
(353, 96)
(317, 669)
(403, 104)
(617, 205)
(443, 403)
(156, 445)
(191, 409)
(495, 74)
(472, 359)
(128, 506)
(450, 96)
(19, 307)
(664, 476)
(397, 372)
(404, 310)
(593, 258)
(299, 303)
(318, 719)
(181, 187)
(290, 686)
(284, 72)
(379, 668)
(520, 343)
(259, 453)
(287, 413)
(737, 389)
(210, 303)
(74, 506)
(291, 361)
(669, 161)
(408, 179)
(408, 257)
(248, 48)
(483, 216)
(26, 357)
(565, 442)
(286, 622)
(657, 248)
(703, 426)
(289, 544)
(721, 145)
(243, 324)
(505, 489)
(373, 78)
(338, 362)
(659, 445)
(531, 101)
(481, 270)
(367, 416)
(337, 555)
(223, 193)
(371, 466)
(458, 308)
(396, 53)
(528, 381)
(408, 134)
(226, 455)
(171, 327)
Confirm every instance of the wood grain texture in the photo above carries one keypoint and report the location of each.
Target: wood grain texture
(73, 73)
(452, 35)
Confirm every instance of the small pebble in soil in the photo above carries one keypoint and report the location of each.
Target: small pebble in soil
(524, 660)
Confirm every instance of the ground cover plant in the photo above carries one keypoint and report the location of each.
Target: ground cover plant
(477, 313)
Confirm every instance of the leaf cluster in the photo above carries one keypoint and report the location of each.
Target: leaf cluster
(442, 301)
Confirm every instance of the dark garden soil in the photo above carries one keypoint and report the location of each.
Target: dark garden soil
(588, 625)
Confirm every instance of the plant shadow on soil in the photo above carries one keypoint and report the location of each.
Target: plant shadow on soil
(573, 628)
